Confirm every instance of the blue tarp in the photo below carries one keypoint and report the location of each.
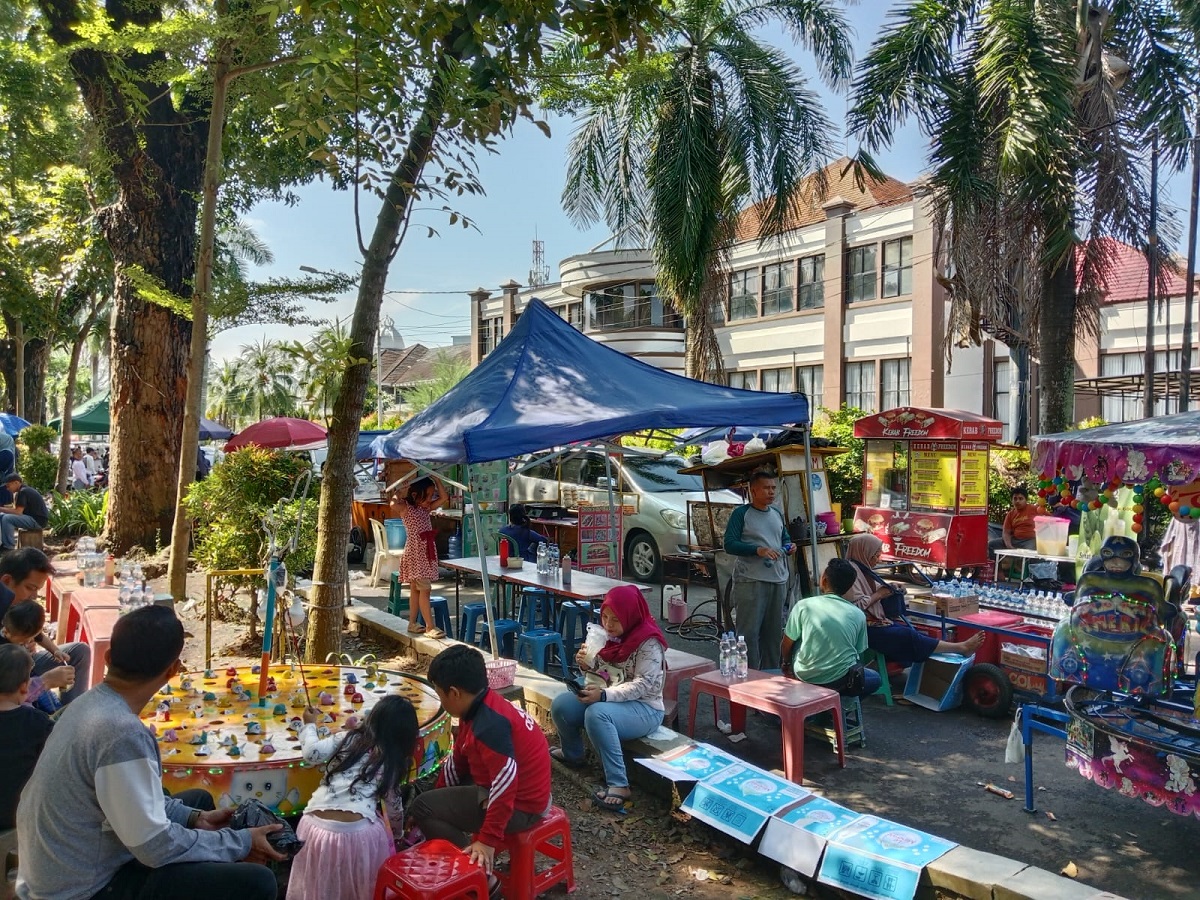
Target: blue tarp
(547, 385)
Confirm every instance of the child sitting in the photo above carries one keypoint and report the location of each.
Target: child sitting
(23, 730)
(22, 626)
(346, 840)
(497, 780)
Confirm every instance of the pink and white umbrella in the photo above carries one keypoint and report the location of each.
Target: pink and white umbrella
(280, 433)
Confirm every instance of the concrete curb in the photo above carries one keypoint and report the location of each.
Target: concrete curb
(962, 874)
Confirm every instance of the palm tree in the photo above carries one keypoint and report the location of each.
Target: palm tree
(227, 394)
(323, 360)
(1038, 115)
(268, 381)
(671, 148)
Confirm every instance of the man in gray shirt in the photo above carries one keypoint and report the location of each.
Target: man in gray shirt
(757, 536)
(93, 821)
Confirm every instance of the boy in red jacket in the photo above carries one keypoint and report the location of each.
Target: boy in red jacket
(497, 780)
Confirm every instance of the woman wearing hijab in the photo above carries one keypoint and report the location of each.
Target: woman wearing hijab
(895, 641)
(631, 707)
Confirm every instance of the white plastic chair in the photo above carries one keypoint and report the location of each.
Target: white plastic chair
(386, 560)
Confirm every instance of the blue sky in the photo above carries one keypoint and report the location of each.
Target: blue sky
(523, 183)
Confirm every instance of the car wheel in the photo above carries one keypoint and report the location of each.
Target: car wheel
(641, 557)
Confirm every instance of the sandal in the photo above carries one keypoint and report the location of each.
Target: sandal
(416, 629)
(558, 754)
(611, 802)
(435, 633)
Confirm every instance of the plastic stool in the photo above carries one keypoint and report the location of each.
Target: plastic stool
(572, 613)
(468, 621)
(441, 615)
(538, 643)
(523, 881)
(536, 608)
(507, 634)
(431, 870)
(397, 605)
(854, 729)
(871, 658)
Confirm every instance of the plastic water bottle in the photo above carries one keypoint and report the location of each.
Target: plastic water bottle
(125, 598)
(553, 560)
(542, 555)
(726, 658)
(743, 658)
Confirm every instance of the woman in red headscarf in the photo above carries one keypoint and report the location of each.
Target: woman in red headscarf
(631, 706)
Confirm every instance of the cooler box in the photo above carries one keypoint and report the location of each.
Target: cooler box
(397, 534)
(989, 650)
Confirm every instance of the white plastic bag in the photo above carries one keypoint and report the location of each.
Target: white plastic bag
(714, 452)
(1014, 751)
(755, 445)
(593, 643)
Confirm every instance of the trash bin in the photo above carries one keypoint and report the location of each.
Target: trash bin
(397, 534)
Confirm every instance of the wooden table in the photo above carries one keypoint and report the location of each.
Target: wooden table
(793, 701)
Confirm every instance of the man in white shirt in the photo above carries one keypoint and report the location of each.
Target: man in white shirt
(89, 462)
(81, 479)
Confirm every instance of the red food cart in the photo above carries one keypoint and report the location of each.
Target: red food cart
(925, 484)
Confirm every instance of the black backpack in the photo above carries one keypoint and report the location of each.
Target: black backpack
(357, 547)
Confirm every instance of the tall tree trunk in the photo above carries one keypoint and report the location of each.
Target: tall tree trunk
(1056, 350)
(337, 485)
(189, 441)
(157, 154)
(19, 355)
(64, 446)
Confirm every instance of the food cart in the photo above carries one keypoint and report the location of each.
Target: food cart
(925, 484)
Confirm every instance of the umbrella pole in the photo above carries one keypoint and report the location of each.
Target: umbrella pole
(483, 569)
(268, 630)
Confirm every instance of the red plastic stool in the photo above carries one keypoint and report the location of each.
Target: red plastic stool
(431, 870)
(523, 881)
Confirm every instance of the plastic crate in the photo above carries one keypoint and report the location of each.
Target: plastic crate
(501, 673)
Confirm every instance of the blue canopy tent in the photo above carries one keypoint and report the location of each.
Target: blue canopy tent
(213, 431)
(547, 384)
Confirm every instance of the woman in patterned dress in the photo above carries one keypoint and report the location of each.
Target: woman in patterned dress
(419, 564)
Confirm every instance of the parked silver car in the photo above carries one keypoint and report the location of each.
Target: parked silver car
(657, 529)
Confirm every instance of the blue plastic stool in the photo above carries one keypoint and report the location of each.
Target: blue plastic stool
(853, 726)
(573, 618)
(507, 634)
(440, 608)
(469, 617)
(538, 643)
(537, 609)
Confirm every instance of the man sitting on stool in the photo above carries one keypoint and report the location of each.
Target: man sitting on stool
(832, 635)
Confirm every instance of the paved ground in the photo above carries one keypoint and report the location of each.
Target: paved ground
(922, 768)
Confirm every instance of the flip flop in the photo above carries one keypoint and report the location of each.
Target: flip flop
(416, 629)
(610, 802)
(557, 753)
(435, 633)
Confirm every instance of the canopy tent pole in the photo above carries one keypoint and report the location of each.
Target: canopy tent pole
(612, 511)
(483, 569)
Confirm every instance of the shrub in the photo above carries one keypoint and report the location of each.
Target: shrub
(1008, 469)
(231, 504)
(846, 470)
(36, 464)
(80, 512)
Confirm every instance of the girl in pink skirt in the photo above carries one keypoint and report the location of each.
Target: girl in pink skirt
(345, 838)
(419, 564)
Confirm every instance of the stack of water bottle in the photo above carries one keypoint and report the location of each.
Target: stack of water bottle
(959, 587)
(132, 590)
(89, 562)
(734, 659)
(1046, 604)
(548, 559)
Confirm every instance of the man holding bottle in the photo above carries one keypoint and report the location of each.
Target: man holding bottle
(757, 536)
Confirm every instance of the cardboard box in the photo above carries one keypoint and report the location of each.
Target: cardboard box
(954, 607)
(937, 683)
(1025, 657)
(1027, 681)
(925, 605)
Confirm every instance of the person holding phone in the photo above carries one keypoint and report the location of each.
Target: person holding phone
(419, 564)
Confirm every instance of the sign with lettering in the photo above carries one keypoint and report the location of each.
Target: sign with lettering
(796, 835)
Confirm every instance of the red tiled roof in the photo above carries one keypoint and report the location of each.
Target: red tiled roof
(396, 364)
(1128, 276)
(425, 369)
(840, 184)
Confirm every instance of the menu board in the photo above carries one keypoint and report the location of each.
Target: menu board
(973, 478)
(600, 540)
(933, 475)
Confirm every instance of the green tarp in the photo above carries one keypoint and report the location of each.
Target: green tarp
(90, 417)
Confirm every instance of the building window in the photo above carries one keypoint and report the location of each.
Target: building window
(571, 313)
(777, 281)
(1001, 390)
(860, 386)
(778, 381)
(895, 382)
(491, 334)
(810, 381)
(747, 381)
(897, 268)
(662, 313)
(1127, 406)
(812, 283)
(623, 306)
(743, 300)
(860, 274)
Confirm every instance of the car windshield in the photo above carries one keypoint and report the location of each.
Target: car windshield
(658, 474)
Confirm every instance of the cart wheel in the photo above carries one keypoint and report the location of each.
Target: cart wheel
(987, 691)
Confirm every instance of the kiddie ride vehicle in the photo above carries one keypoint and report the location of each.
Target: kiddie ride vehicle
(1130, 720)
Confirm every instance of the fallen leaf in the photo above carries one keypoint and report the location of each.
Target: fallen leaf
(619, 885)
(1012, 778)
(676, 857)
(1070, 870)
(632, 857)
(1051, 816)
